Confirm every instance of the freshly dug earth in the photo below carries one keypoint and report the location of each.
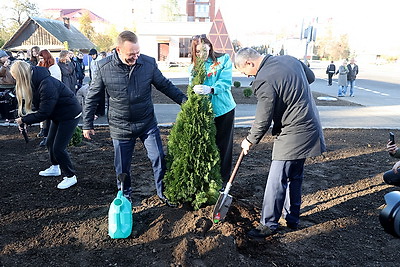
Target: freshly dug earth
(343, 194)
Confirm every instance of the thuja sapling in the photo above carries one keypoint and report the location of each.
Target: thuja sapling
(193, 161)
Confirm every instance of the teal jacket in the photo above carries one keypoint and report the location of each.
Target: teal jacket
(219, 77)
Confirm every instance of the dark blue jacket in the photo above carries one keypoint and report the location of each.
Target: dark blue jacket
(51, 99)
(128, 89)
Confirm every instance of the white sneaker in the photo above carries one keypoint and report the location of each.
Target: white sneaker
(54, 170)
(67, 182)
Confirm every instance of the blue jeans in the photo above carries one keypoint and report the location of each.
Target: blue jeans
(342, 90)
(123, 151)
(351, 83)
(283, 193)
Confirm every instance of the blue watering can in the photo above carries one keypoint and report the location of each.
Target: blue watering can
(120, 214)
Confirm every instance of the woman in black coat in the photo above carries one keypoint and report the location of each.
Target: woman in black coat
(68, 74)
(41, 96)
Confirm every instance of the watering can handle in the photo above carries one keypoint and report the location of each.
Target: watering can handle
(121, 177)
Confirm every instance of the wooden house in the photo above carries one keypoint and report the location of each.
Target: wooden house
(53, 35)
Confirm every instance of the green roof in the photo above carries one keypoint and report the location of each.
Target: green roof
(76, 40)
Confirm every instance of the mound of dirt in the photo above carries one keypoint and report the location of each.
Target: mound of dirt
(342, 197)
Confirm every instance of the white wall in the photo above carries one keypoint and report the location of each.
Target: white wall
(150, 34)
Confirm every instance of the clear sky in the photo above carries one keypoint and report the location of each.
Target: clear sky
(367, 23)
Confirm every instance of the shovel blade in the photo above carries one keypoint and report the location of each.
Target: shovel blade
(221, 207)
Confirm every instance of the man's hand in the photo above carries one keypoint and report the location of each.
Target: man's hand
(246, 146)
(391, 148)
(88, 133)
(202, 89)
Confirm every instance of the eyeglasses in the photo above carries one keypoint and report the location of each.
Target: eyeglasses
(201, 36)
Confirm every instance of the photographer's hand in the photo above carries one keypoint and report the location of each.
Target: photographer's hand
(396, 167)
(391, 148)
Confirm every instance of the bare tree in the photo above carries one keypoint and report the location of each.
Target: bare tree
(16, 12)
(21, 10)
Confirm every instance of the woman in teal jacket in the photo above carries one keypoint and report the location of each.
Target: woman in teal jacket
(217, 85)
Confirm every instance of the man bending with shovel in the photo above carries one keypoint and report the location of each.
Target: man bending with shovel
(284, 96)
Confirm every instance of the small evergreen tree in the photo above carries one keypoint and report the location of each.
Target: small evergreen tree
(76, 138)
(193, 162)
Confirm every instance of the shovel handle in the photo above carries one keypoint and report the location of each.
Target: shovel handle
(236, 167)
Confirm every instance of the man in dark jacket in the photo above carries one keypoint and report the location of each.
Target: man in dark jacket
(79, 69)
(127, 78)
(284, 96)
(330, 70)
(351, 75)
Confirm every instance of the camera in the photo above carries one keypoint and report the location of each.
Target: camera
(389, 217)
(8, 104)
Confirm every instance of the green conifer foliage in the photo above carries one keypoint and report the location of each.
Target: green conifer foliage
(193, 161)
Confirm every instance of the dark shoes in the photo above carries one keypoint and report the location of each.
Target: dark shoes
(167, 202)
(261, 231)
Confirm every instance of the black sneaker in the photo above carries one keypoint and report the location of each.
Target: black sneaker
(167, 202)
(261, 231)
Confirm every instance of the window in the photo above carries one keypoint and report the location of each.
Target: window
(202, 10)
(184, 47)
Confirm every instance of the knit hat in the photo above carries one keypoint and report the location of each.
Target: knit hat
(92, 52)
(3, 53)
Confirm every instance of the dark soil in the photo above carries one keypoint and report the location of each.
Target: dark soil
(343, 194)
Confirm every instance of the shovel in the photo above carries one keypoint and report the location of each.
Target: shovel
(224, 201)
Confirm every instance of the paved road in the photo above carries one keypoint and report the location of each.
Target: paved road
(379, 99)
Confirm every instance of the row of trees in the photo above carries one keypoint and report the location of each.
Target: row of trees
(329, 47)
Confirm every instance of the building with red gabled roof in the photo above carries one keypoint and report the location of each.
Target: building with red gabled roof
(74, 15)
